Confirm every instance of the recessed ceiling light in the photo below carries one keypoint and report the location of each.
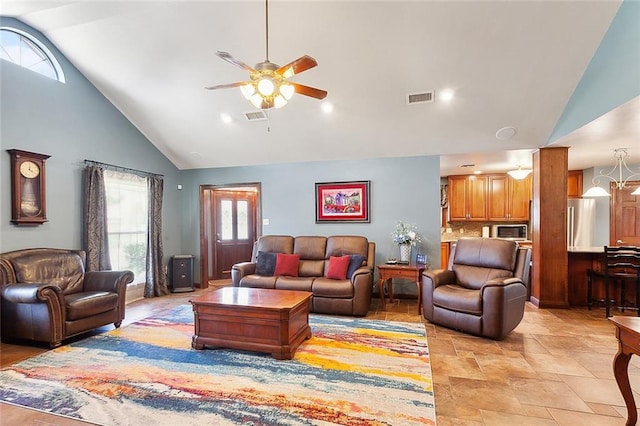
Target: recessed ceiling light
(327, 107)
(446, 95)
(226, 118)
(506, 133)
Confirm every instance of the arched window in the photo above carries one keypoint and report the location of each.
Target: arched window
(25, 50)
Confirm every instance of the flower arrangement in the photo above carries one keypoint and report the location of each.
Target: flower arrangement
(405, 234)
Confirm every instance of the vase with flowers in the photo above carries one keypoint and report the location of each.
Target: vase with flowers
(406, 237)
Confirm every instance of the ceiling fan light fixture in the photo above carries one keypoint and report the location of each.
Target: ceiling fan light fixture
(248, 90)
(286, 90)
(266, 87)
(279, 101)
(256, 100)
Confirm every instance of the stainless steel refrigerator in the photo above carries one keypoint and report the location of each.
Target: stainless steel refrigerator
(581, 220)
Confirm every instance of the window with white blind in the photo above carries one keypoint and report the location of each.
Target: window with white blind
(127, 217)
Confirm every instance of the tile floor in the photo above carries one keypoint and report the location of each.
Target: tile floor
(554, 369)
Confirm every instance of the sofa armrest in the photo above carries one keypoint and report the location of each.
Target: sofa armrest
(440, 276)
(240, 270)
(362, 281)
(111, 281)
(31, 292)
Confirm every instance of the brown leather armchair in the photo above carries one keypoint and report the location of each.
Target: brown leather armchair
(47, 296)
(484, 290)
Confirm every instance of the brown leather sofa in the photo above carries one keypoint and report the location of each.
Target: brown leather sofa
(47, 296)
(484, 290)
(351, 296)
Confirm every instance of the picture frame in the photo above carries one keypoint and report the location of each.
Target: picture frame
(343, 201)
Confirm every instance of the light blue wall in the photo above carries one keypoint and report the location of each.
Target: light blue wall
(603, 209)
(70, 122)
(405, 189)
(612, 77)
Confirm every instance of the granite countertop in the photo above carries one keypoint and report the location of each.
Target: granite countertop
(598, 249)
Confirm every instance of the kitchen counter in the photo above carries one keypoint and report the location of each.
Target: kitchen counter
(597, 249)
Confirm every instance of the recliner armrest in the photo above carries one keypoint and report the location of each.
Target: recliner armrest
(30, 292)
(502, 282)
(240, 270)
(440, 276)
(110, 281)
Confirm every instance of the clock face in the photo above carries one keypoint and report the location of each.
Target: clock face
(29, 169)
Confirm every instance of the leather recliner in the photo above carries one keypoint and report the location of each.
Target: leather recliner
(484, 290)
(47, 296)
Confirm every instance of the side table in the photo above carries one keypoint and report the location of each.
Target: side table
(628, 335)
(388, 272)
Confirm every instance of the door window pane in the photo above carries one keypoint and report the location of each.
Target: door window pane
(243, 219)
(226, 215)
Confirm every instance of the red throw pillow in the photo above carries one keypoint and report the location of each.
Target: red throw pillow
(337, 269)
(287, 264)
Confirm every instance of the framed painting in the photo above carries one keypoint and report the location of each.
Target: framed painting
(342, 201)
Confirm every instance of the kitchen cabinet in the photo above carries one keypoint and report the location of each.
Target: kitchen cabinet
(508, 198)
(467, 198)
(445, 248)
(574, 184)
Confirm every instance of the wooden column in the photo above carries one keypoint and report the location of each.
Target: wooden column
(549, 229)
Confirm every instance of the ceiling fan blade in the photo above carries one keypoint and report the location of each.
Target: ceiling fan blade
(228, 85)
(301, 64)
(235, 61)
(308, 91)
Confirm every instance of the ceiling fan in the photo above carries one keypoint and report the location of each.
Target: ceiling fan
(269, 85)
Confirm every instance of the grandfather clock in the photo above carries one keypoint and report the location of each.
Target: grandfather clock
(28, 194)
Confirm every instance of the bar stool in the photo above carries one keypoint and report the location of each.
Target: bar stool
(621, 265)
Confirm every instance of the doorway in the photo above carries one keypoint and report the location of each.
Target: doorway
(229, 226)
(625, 215)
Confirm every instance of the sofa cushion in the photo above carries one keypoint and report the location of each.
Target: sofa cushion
(355, 262)
(266, 263)
(272, 244)
(89, 303)
(287, 264)
(337, 267)
(294, 283)
(324, 287)
(310, 247)
(347, 244)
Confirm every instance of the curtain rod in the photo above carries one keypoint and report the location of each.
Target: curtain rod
(120, 168)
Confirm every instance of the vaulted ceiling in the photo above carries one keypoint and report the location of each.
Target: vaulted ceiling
(510, 64)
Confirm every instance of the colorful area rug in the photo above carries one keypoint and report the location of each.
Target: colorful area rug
(351, 372)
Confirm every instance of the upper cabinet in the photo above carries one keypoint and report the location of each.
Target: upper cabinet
(574, 184)
(508, 198)
(485, 198)
(468, 198)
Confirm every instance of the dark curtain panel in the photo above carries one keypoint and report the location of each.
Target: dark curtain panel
(156, 284)
(96, 242)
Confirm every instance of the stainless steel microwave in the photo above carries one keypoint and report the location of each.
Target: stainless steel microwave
(510, 232)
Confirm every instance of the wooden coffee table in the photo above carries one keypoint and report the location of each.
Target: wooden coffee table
(252, 319)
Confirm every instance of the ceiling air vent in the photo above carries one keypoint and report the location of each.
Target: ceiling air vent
(420, 98)
(255, 115)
